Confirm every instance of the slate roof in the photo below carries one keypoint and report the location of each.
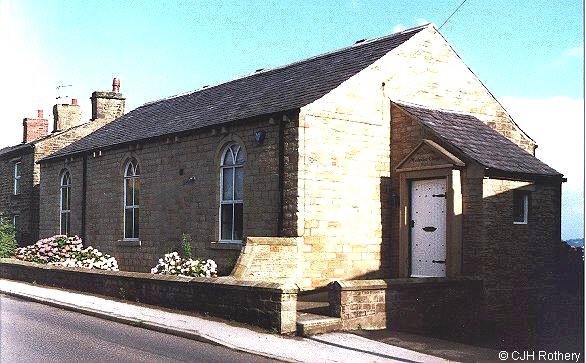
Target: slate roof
(8, 150)
(478, 141)
(281, 89)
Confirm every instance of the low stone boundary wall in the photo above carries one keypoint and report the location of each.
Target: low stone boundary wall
(431, 306)
(267, 305)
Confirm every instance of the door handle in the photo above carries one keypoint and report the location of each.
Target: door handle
(438, 261)
(439, 195)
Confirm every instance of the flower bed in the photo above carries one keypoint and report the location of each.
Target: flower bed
(173, 264)
(68, 252)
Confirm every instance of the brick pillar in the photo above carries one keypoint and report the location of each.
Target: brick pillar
(34, 128)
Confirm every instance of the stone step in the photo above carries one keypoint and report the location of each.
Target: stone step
(314, 307)
(311, 324)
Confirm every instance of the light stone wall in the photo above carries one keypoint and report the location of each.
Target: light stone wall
(344, 170)
(344, 158)
(426, 70)
(271, 259)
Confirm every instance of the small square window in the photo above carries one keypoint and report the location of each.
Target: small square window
(520, 207)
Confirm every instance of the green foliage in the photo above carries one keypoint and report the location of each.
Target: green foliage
(8, 243)
(186, 244)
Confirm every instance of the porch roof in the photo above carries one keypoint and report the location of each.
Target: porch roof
(478, 141)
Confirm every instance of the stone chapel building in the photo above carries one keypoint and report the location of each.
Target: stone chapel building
(19, 168)
(388, 158)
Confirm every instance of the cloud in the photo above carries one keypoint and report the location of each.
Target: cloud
(27, 82)
(422, 21)
(575, 52)
(567, 55)
(557, 125)
(399, 28)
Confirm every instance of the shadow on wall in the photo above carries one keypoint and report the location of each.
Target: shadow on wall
(533, 283)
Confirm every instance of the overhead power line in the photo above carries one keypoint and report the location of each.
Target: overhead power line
(452, 14)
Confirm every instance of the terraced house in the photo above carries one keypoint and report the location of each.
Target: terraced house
(385, 159)
(19, 168)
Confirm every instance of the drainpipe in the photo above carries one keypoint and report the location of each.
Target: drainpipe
(281, 151)
(83, 198)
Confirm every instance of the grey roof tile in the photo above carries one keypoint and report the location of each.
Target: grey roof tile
(281, 89)
(478, 141)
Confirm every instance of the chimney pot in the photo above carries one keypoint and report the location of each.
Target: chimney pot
(74, 101)
(116, 85)
(39, 113)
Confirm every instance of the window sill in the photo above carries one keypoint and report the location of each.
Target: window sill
(129, 242)
(226, 245)
(525, 223)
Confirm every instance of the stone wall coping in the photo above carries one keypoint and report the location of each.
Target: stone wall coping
(273, 241)
(355, 285)
(107, 94)
(222, 281)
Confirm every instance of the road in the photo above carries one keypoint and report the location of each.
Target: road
(32, 332)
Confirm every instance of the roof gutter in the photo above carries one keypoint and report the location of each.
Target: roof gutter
(511, 175)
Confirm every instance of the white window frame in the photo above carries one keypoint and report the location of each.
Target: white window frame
(17, 177)
(14, 218)
(233, 201)
(525, 210)
(65, 210)
(134, 166)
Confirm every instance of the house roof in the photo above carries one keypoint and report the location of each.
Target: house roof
(265, 92)
(8, 150)
(478, 141)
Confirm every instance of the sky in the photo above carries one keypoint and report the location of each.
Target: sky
(530, 54)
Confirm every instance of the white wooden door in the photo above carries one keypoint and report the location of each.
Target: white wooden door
(428, 228)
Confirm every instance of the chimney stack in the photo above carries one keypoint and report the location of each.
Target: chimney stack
(34, 128)
(116, 85)
(66, 116)
(108, 105)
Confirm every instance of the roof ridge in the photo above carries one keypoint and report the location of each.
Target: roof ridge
(253, 74)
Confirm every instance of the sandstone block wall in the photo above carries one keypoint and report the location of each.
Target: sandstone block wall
(268, 305)
(271, 259)
(431, 306)
(426, 70)
(518, 256)
(179, 194)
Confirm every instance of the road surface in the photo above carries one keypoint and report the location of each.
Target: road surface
(32, 332)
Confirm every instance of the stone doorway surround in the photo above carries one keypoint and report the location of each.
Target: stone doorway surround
(429, 160)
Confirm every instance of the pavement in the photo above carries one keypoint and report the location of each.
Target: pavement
(330, 347)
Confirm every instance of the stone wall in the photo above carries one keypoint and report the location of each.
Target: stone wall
(267, 305)
(426, 70)
(519, 256)
(24, 204)
(444, 307)
(271, 259)
(344, 172)
(179, 194)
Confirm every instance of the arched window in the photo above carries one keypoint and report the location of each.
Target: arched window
(131, 200)
(65, 204)
(231, 193)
